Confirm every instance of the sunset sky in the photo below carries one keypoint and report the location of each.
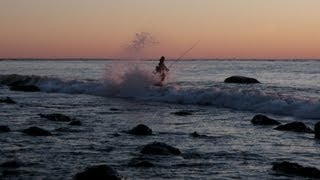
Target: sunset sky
(103, 28)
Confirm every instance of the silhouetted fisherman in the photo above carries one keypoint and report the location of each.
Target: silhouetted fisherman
(162, 69)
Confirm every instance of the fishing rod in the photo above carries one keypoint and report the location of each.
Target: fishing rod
(194, 45)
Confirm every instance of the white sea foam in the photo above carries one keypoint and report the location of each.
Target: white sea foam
(138, 83)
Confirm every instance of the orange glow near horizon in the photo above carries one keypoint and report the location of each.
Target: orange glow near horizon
(101, 29)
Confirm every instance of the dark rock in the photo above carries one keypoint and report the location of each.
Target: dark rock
(263, 120)
(114, 109)
(196, 135)
(98, 172)
(158, 148)
(317, 130)
(9, 172)
(296, 169)
(141, 129)
(4, 129)
(11, 164)
(182, 113)
(15, 79)
(295, 126)
(25, 88)
(75, 123)
(7, 100)
(116, 134)
(140, 163)
(56, 117)
(241, 80)
(35, 131)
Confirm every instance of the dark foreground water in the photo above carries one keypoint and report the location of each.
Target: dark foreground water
(232, 149)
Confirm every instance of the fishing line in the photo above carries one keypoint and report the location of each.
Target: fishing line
(186, 52)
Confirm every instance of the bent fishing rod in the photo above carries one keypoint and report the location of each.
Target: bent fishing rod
(186, 52)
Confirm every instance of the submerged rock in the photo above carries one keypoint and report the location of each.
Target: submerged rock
(16, 80)
(158, 148)
(25, 88)
(65, 129)
(75, 123)
(98, 172)
(141, 129)
(138, 162)
(7, 100)
(317, 130)
(296, 169)
(295, 126)
(241, 80)
(4, 129)
(263, 120)
(35, 131)
(196, 135)
(182, 113)
(56, 117)
(11, 164)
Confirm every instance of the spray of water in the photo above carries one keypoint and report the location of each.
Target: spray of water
(129, 79)
(140, 42)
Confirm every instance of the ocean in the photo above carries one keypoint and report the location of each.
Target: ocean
(112, 97)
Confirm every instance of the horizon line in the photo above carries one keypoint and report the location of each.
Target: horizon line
(149, 59)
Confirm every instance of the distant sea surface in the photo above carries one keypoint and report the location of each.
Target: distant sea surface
(91, 91)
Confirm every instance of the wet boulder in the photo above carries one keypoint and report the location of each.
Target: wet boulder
(241, 80)
(317, 130)
(98, 172)
(4, 129)
(295, 127)
(56, 117)
(296, 169)
(25, 88)
(158, 148)
(141, 129)
(182, 113)
(7, 100)
(263, 120)
(35, 131)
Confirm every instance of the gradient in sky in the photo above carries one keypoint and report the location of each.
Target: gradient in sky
(102, 28)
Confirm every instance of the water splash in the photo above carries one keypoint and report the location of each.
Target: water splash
(137, 46)
(129, 79)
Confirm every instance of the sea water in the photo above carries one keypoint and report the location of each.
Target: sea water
(91, 90)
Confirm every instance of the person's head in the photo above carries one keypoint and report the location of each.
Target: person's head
(162, 59)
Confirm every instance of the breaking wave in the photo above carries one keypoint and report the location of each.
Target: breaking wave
(139, 84)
